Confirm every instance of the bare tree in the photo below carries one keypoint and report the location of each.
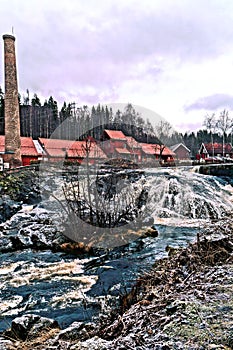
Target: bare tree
(163, 130)
(103, 201)
(224, 124)
(211, 124)
(159, 147)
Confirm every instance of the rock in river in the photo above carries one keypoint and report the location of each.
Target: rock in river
(29, 324)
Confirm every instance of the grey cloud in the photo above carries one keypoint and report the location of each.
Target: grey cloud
(61, 46)
(187, 127)
(211, 102)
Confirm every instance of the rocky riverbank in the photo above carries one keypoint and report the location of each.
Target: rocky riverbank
(16, 189)
(184, 302)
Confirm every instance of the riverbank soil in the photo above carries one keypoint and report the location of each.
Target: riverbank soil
(184, 302)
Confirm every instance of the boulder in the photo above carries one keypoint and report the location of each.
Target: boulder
(151, 232)
(30, 325)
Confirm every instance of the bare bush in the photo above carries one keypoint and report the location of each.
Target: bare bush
(107, 200)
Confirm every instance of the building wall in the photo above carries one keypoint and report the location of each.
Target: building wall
(182, 153)
(26, 160)
(109, 146)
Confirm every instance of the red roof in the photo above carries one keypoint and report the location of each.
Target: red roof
(168, 152)
(55, 143)
(132, 143)
(27, 146)
(218, 147)
(71, 149)
(55, 152)
(115, 134)
(55, 147)
(79, 149)
(148, 148)
(155, 149)
(122, 151)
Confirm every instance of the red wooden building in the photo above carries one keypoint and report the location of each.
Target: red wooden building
(28, 149)
(148, 152)
(135, 149)
(181, 151)
(74, 151)
(114, 142)
(215, 150)
(157, 152)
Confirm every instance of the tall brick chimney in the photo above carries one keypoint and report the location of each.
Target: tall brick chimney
(11, 105)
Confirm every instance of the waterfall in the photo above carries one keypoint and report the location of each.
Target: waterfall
(178, 193)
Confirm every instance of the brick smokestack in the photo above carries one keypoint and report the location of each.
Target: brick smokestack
(11, 105)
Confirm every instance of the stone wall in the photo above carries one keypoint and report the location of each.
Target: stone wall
(217, 170)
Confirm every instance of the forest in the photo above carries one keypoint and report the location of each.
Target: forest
(39, 119)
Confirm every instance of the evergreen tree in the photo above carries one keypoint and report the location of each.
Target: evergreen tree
(53, 105)
(35, 100)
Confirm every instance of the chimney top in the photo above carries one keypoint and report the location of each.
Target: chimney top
(8, 36)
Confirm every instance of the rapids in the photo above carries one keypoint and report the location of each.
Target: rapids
(182, 194)
(68, 288)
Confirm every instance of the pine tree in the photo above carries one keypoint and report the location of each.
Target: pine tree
(35, 100)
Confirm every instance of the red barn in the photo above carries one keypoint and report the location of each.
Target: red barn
(87, 150)
(148, 152)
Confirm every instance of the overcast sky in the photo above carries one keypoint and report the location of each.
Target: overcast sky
(173, 57)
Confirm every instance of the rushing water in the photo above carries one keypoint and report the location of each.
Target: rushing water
(182, 194)
(68, 289)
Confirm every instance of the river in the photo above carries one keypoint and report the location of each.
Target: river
(68, 288)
